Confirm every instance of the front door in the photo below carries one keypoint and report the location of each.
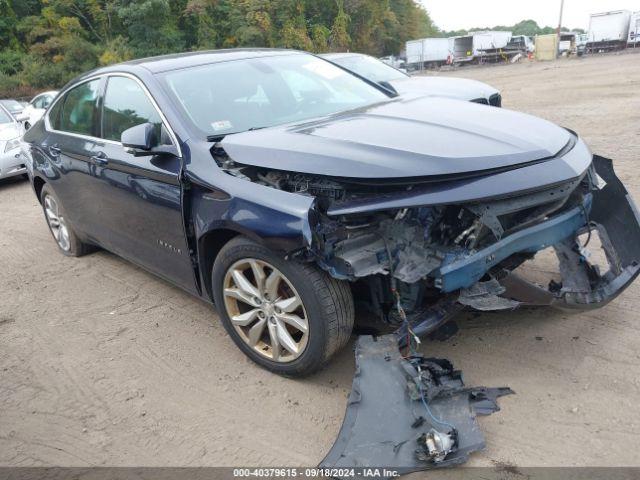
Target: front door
(139, 198)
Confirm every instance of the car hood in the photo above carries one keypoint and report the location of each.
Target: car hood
(406, 137)
(8, 131)
(448, 87)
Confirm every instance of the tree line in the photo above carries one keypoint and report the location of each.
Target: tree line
(530, 28)
(45, 43)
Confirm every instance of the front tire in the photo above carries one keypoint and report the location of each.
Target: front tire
(287, 317)
(62, 232)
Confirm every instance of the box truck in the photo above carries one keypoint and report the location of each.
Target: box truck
(428, 52)
(608, 31)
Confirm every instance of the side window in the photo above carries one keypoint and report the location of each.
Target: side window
(127, 105)
(54, 115)
(39, 102)
(78, 113)
(46, 101)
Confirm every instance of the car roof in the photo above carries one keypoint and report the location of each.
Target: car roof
(50, 92)
(177, 61)
(336, 56)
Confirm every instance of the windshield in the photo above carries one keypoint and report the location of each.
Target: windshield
(4, 117)
(370, 68)
(12, 105)
(240, 95)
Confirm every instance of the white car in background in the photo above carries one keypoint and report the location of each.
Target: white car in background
(36, 108)
(11, 160)
(389, 77)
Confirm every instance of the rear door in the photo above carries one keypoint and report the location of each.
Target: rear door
(72, 127)
(139, 198)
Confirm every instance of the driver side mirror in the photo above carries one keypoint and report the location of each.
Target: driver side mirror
(389, 87)
(140, 139)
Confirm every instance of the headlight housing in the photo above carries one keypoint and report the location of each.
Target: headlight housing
(11, 144)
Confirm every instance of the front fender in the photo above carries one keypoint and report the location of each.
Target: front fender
(279, 220)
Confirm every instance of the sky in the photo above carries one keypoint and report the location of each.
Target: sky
(464, 14)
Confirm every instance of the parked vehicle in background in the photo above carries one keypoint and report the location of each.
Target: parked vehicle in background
(11, 160)
(480, 46)
(608, 31)
(376, 71)
(567, 45)
(428, 53)
(581, 43)
(14, 107)
(634, 30)
(36, 108)
(395, 62)
(522, 43)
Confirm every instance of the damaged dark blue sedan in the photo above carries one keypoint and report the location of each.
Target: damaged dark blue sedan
(293, 194)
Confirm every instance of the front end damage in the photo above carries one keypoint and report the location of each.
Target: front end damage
(470, 251)
(414, 264)
(422, 263)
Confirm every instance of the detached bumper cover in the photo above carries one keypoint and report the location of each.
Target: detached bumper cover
(615, 216)
(386, 420)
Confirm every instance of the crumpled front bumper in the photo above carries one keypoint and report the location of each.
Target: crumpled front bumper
(608, 210)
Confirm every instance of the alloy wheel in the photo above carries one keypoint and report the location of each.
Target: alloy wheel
(57, 223)
(266, 310)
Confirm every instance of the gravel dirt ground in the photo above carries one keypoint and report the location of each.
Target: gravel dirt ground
(104, 364)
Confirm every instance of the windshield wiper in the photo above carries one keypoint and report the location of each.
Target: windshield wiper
(219, 137)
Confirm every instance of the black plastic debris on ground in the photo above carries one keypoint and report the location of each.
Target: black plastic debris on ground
(408, 414)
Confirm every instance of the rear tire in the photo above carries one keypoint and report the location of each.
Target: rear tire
(323, 304)
(59, 226)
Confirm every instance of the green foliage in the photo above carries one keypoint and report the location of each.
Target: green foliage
(8, 22)
(10, 62)
(151, 27)
(45, 43)
(340, 39)
(529, 28)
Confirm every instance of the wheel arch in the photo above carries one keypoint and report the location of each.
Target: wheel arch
(38, 185)
(209, 245)
(212, 241)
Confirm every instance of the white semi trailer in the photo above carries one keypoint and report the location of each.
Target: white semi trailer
(608, 31)
(478, 45)
(634, 30)
(428, 52)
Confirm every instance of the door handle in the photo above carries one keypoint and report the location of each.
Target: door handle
(100, 159)
(54, 150)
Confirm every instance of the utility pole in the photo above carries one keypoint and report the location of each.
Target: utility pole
(560, 26)
(561, 14)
